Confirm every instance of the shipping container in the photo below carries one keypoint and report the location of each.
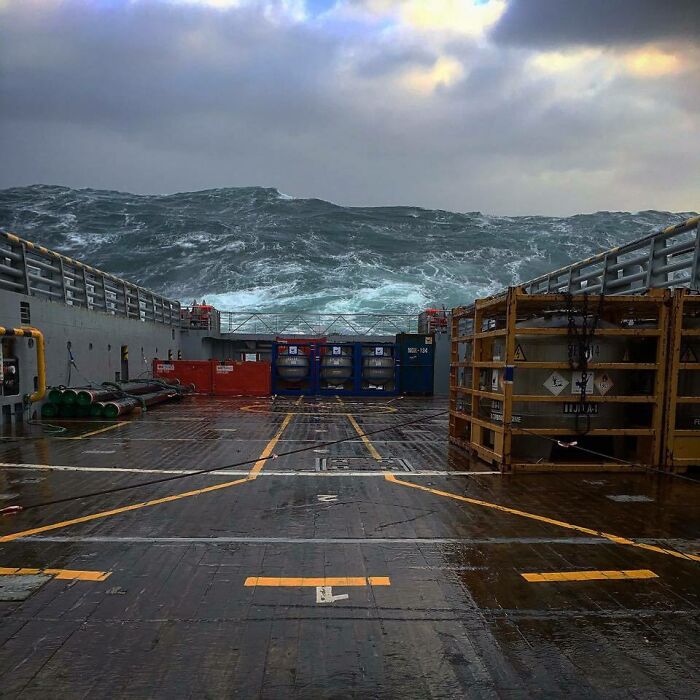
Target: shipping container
(417, 363)
(233, 378)
(196, 372)
(559, 382)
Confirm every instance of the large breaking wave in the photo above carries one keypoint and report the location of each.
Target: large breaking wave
(253, 248)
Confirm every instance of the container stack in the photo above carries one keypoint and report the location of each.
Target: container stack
(553, 382)
(110, 400)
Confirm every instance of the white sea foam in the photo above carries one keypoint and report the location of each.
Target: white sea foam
(244, 249)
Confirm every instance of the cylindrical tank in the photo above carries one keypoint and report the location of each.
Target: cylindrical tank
(293, 368)
(376, 368)
(564, 383)
(336, 367)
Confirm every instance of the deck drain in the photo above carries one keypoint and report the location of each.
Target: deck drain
(362, 464)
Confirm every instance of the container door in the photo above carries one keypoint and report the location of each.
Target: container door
(417, 362)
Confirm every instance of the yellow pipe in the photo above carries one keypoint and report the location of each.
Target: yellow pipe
(35, 333)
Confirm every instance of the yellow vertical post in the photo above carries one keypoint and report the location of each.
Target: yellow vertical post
(673, 338)
(663, 301)
(511, 316)
(477, 431)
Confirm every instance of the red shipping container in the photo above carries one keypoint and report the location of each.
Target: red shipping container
(242, 378)
(197, 372)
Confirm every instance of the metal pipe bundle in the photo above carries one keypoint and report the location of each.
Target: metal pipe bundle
(85, 397)
(111, 400)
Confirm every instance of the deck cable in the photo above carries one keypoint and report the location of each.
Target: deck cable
(12, 510)
(575, 446)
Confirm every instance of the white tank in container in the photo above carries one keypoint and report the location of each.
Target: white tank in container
(293, 366)
(563, 383)
(336, 365)
(378, 366)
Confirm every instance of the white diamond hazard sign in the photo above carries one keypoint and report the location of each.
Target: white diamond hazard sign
(604, 383)
(556, 383)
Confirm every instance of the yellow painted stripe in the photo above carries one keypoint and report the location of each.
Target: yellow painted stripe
(97, 432)
(156, 501)
(264, 456)
(299, 400)
(550, 521)
(119, 511)
(365, 439)
(281, 581)
(589, 575)
(64, 574)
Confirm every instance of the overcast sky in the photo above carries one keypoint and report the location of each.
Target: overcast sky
(503, 106)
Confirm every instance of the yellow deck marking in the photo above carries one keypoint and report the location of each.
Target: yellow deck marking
(550, 521)
(365, 439)
(257, 468)
(339, 400)
(64, 574)
(589, 575)
(264, 456)
(299, 400)
(322, 581)
(96, 432)
(119, 511)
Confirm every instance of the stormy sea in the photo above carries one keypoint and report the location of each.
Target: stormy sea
(254, 248)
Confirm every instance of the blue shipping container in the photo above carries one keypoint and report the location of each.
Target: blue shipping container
(417, 362)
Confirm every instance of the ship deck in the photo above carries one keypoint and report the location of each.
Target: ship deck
(388, 565)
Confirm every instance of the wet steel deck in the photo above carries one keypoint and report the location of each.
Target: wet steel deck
(215, 593)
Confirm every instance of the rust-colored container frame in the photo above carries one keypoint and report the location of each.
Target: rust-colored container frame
(681, 445)
(473, 330)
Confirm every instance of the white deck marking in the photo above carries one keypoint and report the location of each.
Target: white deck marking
(233, 472)
(327, 497)
(324, 594)
(497, 541)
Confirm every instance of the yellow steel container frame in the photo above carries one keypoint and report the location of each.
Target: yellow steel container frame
(682, 443)
(473, 331)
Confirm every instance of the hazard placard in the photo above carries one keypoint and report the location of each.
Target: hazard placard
(604, 383)
(519, 354)
(556, 383)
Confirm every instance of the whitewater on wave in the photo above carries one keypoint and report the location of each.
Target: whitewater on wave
(257, 249)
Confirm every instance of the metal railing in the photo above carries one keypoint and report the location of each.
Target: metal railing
(666, 258)
(30, 269)
(316, 324)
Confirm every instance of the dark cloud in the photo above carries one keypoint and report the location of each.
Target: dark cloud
(549, 23)
(156, 97)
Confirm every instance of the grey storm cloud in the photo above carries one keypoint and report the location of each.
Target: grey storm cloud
(597, 22)
(159, 97)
